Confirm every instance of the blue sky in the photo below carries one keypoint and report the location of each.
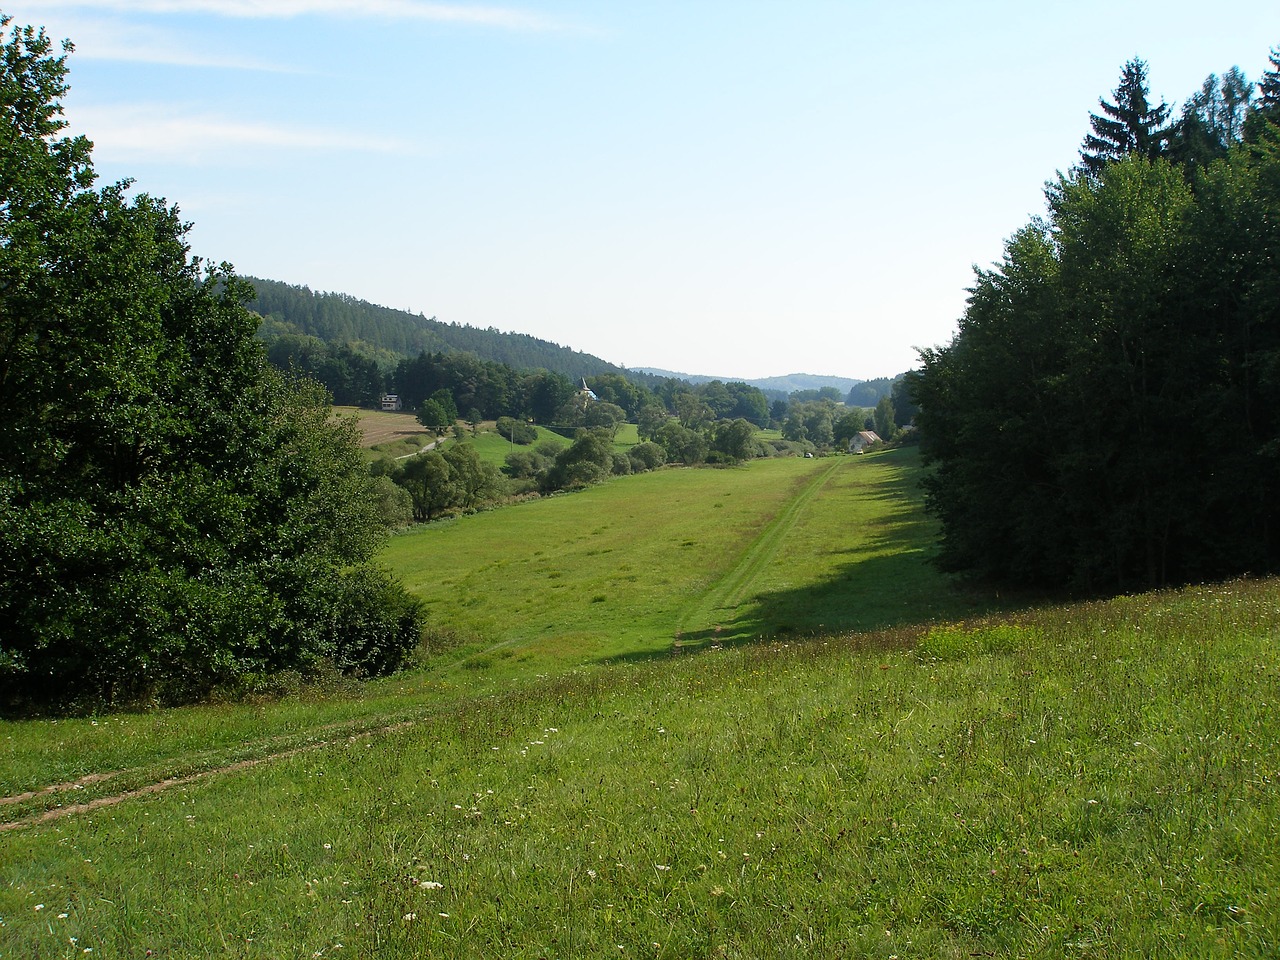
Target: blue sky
(739, 189)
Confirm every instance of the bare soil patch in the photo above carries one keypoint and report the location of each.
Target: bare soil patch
(380, 426)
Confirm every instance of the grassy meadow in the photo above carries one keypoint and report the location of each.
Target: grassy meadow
(696, 713)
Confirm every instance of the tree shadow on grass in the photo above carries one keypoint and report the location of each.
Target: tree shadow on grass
(885, 581)
(874, 594)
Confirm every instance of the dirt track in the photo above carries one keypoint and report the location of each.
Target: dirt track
(28, 819)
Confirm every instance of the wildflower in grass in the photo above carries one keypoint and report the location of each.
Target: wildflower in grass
(410, 917)
(431, 885)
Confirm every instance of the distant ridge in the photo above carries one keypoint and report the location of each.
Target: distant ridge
(370, 329)
(342, 319)
(785, 384)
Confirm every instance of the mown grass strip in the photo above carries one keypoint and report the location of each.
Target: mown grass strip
(720, 602)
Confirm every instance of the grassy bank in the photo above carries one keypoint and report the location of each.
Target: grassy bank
(1084, 781)
(891, 775)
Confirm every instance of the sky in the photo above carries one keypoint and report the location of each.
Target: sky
(736, 189)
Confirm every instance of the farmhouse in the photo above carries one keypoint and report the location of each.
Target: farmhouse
(862, 439)
(391, 401)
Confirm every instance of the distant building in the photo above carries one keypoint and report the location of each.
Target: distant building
(587, 391)
(862, 439)
(391, 401)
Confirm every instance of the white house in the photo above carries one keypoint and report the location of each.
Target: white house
(862, 439)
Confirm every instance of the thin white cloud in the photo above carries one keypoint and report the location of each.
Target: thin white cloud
(471, 14)
(105, 40)
(169, 133)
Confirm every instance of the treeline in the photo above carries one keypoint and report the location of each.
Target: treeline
(1108, 414)
(358, 351)
(684, 424)
(175, 515)
(382, 332)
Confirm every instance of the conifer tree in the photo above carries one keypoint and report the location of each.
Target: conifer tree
(1269, 87)
(1129, 125)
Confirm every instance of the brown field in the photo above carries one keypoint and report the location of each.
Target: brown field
(377, 426)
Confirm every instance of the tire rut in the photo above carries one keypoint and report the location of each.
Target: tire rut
(725, 595)
(158, 785)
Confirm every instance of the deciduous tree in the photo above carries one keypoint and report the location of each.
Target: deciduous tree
(173, 513)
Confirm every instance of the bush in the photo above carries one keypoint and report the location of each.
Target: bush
(646, 456)
(517, 431)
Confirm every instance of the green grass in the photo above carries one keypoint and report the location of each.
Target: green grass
(494, 448)
(1088, 780)
(628, 436)
(627, 568)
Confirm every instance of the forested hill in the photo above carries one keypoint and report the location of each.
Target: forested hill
(337, 318)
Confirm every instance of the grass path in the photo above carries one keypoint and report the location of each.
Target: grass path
(107, 788)
(721, 600)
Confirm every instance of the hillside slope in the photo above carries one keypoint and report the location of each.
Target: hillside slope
(342, 319)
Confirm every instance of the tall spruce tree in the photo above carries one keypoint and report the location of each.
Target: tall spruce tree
(1129, 125)
(1269, 86)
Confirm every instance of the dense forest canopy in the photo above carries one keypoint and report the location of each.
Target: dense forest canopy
(1108, 414)
(341, 319)
(174, 513)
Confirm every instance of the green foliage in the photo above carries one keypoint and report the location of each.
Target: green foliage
(1268, 102)
(430, 483)
(433, 416)
(734, 441)
(1143, 309)
(517, 431)
(475, 481)
(395, 505)
(1212, 119)
(868, 392)
(646, 456)
(812, 421)
(172, 512)
(588, 460)
(1131, 125)
(886, 425)
(341, 319)
(352, 378)
(680, 443)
